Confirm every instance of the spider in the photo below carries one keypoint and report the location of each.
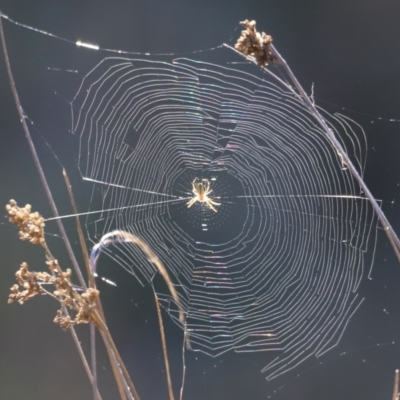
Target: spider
(201, 190)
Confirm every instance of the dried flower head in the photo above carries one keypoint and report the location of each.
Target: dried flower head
(30, 225)
(255, 44)
(82, 305)
(29, 282)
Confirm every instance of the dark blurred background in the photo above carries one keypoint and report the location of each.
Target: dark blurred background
(349, 49)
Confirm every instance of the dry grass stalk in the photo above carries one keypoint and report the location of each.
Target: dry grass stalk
(120, 236)
(82, 304)
(30, 284)
(117, 375)
(85, 306)
(396, 386)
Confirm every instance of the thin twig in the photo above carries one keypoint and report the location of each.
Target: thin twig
(93, 359)
(120, 236)
(394, 240)
(124, 391)
(396, 386)
(36, 158)
(50, 199)
(183, 362)
(84, 361)
(104, 330)
(164, 346)
(79, 230)
(92, 284)
(259, 49)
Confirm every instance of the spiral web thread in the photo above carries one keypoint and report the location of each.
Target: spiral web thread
(278, 266)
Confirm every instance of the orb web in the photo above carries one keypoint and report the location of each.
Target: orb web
(277, 267)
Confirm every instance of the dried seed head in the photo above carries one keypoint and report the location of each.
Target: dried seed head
(255, 44)
(30, 225)
(29, 282)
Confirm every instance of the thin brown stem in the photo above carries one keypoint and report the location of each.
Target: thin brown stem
(84, 361)
(92, 284)
(258, 48)
(79, 230)
(123, 388)
(56, 215)
(36, 158)
(93, 360)
(391, 234)
(164, 346)
(183, 363)
(120, 236)
(396, 386)
(90, 279)
(104, 330)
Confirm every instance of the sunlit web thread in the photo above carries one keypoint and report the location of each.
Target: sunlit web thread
(277, 268)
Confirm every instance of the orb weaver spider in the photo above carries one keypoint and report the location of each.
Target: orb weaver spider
(201, 190)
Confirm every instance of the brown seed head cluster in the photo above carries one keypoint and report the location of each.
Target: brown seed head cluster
(255, 44)
(82, 305)
(29, 282)
(30, 225)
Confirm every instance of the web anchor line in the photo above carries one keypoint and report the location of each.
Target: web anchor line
(127, 187)
(116, 209)
(258, 48)
(391, 234)
(333, 196)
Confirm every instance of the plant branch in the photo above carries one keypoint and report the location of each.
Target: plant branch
(396, 386)
(254, 46)
(92, 284)
(36, 158)
(164, 347)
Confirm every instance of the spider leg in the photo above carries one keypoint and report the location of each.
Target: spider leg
(191, 202)
(214, 202)
(194, 190)
(209, 203)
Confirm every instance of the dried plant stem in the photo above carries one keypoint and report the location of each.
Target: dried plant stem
(109, 341)
(126, 237)
(82, 304)
(92, 284)
(251, 43)
(183, 363)
(394, 240)
(164, 346)
(82, 242)
(122, 385)
(36, 158)
(84, 361)
(31, 227)
(116, 361)
(93, 360)
(92, 377)
(396, 386)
